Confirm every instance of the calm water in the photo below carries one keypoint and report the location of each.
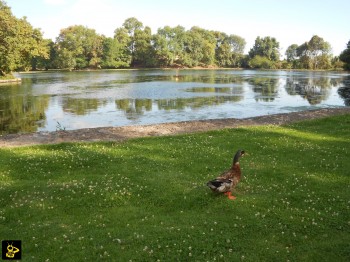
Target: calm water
(72, 100)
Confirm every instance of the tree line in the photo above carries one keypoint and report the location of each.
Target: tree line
(23, 47)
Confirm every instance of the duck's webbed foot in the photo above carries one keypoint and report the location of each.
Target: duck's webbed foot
(228, 194)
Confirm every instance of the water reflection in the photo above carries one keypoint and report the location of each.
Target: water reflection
(195, 102)
(134, 108)
(344, 91)
(105, 98)
(208, 77)
(314, 90)
(20, 111)
(81, 106)
(265, 89)
(226, 90)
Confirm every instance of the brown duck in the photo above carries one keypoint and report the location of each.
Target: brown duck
(229, 179)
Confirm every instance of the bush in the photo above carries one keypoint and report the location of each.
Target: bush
(261, 62)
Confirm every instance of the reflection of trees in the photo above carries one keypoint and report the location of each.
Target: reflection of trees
(211, 77)
(344, 91)
(134, 107)
(226, 90)
(314, 90)
(21, 113)
(195, 102)
(80, 106)
(265, 88)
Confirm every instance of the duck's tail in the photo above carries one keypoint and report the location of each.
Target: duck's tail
(217, 184)
(214, 184)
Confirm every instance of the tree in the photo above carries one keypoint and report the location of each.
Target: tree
(291, 53)
(265, 47)
(291, 57)
(168, 45)
(199, 48)
(131, 26)
(19, 42)
(345, 56)
(261, 62)
(82, 46)
(337, 64)
(229, 50)
(314, 54)
(123, 41)
(318, 49)
(144, 53)
(40, 62)
(113, 54)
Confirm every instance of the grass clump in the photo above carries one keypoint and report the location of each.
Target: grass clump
(146, 199)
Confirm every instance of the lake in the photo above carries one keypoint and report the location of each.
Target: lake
(49, 101)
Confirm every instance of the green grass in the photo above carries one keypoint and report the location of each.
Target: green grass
(7, 77)
(146, 199)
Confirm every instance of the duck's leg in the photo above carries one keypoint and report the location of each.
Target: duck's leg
(228, 194)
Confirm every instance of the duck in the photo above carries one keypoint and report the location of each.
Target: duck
(229, 179)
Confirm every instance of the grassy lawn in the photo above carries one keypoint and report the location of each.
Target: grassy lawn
(146, 199)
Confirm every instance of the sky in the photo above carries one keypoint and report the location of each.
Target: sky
(289, 21)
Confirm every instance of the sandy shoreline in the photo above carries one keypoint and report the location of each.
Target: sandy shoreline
(127, 132)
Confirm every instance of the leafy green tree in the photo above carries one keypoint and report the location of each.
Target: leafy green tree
(193, 51)
(135, 41)
(199, 47)
(222, 49)
(19, 42)
(130, 26)
(123, 41)
(345, 56)
(82, 46)
(261, 62)
(304, 60)
(144, 53)
(314, 54)
(168, 45)
(318, 49)
(291, 52)
(113, 54)
(337, 64)
(229, 50)
(40, 63)
(163, 55)
(265, 47)
(65, 59)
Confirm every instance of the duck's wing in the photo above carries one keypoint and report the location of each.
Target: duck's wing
(225, 175)
(220, 185)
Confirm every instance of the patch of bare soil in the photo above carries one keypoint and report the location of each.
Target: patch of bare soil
(127, 132)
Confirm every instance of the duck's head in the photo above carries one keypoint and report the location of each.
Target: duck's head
(238, 155)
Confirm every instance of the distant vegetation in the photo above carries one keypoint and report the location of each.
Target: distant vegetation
(23, 47)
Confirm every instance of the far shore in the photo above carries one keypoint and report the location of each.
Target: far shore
(13, 80)
(180, 68)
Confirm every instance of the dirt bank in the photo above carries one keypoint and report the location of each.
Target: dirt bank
(127, 132)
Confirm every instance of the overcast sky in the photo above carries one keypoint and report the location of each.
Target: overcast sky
(289, 21)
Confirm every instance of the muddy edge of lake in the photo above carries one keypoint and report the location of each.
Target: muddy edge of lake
(128, 132)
